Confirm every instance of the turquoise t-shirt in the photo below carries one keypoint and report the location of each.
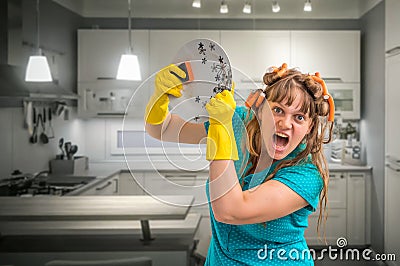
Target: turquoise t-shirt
(277, 242)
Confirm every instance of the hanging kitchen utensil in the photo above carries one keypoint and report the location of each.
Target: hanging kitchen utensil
(67, 149)
(73, 150)
(28, 117)
(51, 135)
(43, 137)
(33, 137)
(60, 146)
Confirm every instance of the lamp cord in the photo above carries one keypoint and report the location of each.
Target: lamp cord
(129, 27)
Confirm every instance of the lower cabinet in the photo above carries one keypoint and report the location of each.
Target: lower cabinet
(347, 212)
(108, 187)
(123, 183)
(179, 183)
(131, 183)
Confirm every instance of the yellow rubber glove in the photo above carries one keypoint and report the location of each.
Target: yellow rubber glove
(221, 144)
(166, 83)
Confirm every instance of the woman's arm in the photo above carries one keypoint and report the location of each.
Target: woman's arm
(175, 129)
(162, 125)
(266, 202)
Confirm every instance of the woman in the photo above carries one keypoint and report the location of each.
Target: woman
(260, 199)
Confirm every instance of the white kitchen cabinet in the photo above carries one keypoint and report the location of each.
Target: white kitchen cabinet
(251, 53)
(347, 210)
(99, 53)
(392, 26)
(337, 193)
(335, 54)
(356, 208)
(337, 202)
(335, 227)
(180, 183)
(392, 108)
(131, 184)
(165, 44)
(392, 152)
(392, 210)
(108, 187)
(347, 99)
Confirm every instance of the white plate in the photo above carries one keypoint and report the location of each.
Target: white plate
(212, 72)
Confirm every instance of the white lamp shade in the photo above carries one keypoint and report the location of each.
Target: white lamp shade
(196, 3)
(247, 8)
(38, 69)
(275, 7)
(307, 6)
(223, 9)
(128, 68)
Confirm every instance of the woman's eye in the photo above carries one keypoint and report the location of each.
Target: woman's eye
(300, 117)
(277, 110)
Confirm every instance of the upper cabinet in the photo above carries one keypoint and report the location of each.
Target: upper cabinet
(165, 44)
(335, 54)
(99, 52)
(251, 53)
(392, 26)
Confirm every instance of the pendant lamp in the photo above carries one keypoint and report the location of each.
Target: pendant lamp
(38, 69)
(128, 68)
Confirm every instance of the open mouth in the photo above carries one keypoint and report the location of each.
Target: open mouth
(280, 141)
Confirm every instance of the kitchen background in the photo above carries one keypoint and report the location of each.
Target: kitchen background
(60, 22)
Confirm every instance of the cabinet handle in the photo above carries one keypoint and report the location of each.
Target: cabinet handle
(105, 185)
(105, 78)
(392, 158)
(111, 114)
(251, 80)
(393, 168)
(116, 186)
(333, 80)
(356, 175)
(180, 176)
(393, 51)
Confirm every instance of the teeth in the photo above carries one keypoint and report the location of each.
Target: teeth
(281, 135)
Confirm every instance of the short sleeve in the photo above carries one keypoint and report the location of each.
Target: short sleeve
(304, 179)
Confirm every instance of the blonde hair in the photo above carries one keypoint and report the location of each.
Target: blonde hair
(284, 89)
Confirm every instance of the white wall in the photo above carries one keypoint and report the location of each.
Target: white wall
(18, 153)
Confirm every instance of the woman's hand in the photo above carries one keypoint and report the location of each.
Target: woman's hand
(221, 144)
(167, 82)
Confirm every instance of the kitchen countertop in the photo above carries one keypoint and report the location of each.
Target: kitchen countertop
(50, 208)
(108, 168)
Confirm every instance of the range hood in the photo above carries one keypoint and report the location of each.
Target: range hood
(12, 85)
(12, 76)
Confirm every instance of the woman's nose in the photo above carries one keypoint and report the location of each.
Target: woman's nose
(285, 122)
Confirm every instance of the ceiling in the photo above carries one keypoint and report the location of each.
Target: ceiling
(290, 9)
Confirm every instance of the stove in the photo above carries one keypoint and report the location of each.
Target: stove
(28, 185)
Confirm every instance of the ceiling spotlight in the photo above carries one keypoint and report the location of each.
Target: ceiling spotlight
(224, 8)
(275, 7)
(196, 3)
(307, 6)
(247, 8)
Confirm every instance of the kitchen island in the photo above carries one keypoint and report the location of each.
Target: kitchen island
(38, 229)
